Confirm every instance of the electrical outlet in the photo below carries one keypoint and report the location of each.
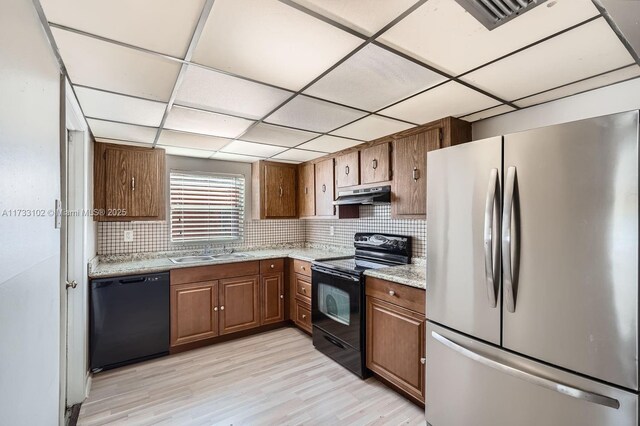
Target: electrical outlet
(332, 230)
(128, 236)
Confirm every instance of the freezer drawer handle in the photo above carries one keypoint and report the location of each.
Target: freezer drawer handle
(491, 205)
(531, 378)
(507, 240)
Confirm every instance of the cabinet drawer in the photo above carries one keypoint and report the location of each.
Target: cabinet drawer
(303, 288)
(302, 267)
(214, 272)
(398, 294)
(271, 265)
(303, 315)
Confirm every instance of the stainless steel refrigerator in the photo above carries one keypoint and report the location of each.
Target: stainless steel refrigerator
(532, 277)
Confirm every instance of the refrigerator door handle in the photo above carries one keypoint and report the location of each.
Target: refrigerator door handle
(491, 205)
(531, 378)
(507, 216)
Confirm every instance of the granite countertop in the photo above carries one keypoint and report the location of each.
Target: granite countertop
(109, 266)
(414, 275)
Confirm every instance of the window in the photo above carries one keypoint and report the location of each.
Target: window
(206, 206)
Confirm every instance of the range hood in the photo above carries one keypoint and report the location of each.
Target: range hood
(377, 195)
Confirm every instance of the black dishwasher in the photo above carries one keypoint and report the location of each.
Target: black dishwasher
(129, 320)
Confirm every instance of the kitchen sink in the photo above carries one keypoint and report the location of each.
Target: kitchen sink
(208, 258)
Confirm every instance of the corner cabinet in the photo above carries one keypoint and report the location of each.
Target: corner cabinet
(274, 190)
(129, 183)
(410, 150)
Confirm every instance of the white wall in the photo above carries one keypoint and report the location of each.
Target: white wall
(30, 249)
(619, 97)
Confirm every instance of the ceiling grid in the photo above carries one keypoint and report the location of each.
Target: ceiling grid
(382, 83)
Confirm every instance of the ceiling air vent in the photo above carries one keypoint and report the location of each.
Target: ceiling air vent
(493, 13)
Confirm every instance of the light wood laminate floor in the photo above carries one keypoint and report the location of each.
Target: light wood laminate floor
(274, 378)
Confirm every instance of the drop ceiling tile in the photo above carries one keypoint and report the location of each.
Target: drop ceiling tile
(277, 135)
(191, 140)
(591, 83)
(271, 42)
(298, 155)
(103, 65)
(374, 78)
(206, 123)
(365, 16)
(214, 91)
(372, 127)
(164, 26)
(124, 132)
(312, 114)
(186, 152)
(252, 148)
(329, 144)
(441, 33)
(449, 99)
(481, 115)
(590, 49)
(110, 106)
(234, 157)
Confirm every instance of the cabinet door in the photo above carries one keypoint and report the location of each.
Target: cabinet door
(239, 304)
(194, 312)
(306, 190)
(410, 174)
(348, 169)
(272, 298)
(324, 188)
(375, 163)
(279, 191)
(118, 184)
(145, 182)
(396, 346)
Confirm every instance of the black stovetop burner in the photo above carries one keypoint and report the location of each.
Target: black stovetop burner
(373, 251)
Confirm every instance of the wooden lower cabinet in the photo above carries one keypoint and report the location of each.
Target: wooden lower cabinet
(303, 315)
(239, 304)
(272, 298)
(194, 313)
(396, 346)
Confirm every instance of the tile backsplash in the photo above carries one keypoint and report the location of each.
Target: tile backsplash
(154, 236)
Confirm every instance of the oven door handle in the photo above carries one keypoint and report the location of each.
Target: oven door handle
(334, 273)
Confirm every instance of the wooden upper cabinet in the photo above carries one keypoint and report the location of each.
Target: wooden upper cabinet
(410, 174)
(274, 190)
(129, 183)
(307, 190)
(348, 169)
(194, 312)
(375, 163)
(324, 192)
(239, 304)
(410, 148)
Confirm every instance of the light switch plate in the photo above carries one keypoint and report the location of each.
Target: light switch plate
(128, 236)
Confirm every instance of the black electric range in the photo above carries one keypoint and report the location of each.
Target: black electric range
(338, 296)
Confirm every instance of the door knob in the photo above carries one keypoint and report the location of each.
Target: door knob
(72, 284)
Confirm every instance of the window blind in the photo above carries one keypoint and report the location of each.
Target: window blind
(206, 207)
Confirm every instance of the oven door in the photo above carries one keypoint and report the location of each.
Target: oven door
(337, 305)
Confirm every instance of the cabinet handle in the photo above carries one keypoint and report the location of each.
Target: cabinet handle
(281, 192)
(304, 290)
(306, 190)
(222, 308)
(282, 296)
(133, 183)
(346, 170)
(423, 360)
(374, 164)
(304, 316)
(416, 174)
(303, 268)
(272, 266)
(392, 293)
(215, 308)
(324, 188)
